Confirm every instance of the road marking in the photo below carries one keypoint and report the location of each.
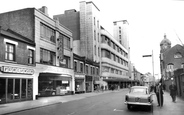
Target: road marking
(118, 110)
(71, 113)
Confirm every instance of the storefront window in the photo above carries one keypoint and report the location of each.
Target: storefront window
(23, 88)
(2, 90)
(10, 89)
(17, 89)
(30, 89)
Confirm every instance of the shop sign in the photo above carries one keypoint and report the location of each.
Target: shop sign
(8, 69)
(79, 76)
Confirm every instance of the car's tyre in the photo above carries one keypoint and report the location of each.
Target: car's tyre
(129, 107)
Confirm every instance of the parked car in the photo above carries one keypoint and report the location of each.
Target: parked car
(139, 95)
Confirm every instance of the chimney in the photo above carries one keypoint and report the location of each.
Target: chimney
(44, 9)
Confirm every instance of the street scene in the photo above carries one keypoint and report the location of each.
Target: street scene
(92, 57)
(97, 103)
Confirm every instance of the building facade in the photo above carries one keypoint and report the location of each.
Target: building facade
(53, 74)
(114, 61)
(86, 34)
(171, 64)
(17, 65)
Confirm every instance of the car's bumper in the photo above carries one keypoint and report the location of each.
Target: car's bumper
(138, 103)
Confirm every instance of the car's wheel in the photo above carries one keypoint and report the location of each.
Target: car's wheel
(129, 107)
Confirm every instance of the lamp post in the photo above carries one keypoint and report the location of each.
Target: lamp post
(152, 63)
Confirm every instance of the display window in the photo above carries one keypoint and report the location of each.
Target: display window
(15, 89)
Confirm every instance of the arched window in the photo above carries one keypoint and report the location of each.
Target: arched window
(177, 55)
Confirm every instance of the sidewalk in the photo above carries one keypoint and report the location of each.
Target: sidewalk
(169, 107)
(45, 101)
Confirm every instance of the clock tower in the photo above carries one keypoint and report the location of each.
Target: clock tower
(165, 44)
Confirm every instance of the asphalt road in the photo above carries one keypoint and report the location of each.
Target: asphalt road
(105, 104)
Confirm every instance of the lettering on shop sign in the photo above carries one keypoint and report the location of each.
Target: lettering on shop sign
(8, 69)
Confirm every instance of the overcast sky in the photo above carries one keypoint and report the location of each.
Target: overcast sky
(148, 21)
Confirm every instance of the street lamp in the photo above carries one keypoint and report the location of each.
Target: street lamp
(152, 62)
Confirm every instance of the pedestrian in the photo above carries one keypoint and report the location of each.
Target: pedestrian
(159, 94)
(173, 91)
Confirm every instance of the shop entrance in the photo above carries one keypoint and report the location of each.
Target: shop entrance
(15, 89)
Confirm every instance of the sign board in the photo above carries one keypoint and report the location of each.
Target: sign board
(8, 69)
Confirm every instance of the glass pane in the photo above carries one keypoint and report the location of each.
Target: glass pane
(23, 88)
(30, 89)
(10, 89)
(2, 90)
(17, 89)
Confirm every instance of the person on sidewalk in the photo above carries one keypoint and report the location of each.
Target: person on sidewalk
(159, 94)
(173, 91)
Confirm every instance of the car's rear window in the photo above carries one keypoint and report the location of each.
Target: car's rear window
(138, 90)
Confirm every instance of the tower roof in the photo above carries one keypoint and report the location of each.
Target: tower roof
(165, 40)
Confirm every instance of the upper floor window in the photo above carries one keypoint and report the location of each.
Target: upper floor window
(47, 33)
(106, 53)
(177, 55)
(95, 34)
(94, 20)
(81, 67)
(66, 62)
(10, 52)
(75, 66)
(87, 69)
(95, 49)
(47, 57)
(91, 70)
(66, 41)
(30, 56)
(97, 71)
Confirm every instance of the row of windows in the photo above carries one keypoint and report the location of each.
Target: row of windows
(49, 58)
(49, 34)
(114, 71)
(114, 46)
(108, 54)
(90, 70)
(10, 53)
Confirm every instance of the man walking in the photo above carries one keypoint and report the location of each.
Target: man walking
(159, 93)
(173, 91)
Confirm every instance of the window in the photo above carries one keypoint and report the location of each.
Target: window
(66, 41)
(87, 69)
(47, 57)
(98, 23)
(97, 72)
(106, 53)
(75, 66)
(81, 67)
(10, 52)
(66, 62)
(98, 51)
(47, 33)
(112, 70)
(177, 55)
(30, 56)
(98, 37)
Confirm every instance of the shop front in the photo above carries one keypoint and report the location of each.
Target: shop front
(51, 84)
(79, 83)
(16, 84)
(89, 83)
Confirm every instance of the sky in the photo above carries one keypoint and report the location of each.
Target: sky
(148, 21)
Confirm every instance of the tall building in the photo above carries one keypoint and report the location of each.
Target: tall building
(86, 34)
(121, 32)
(114, 61)
(52, 56)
